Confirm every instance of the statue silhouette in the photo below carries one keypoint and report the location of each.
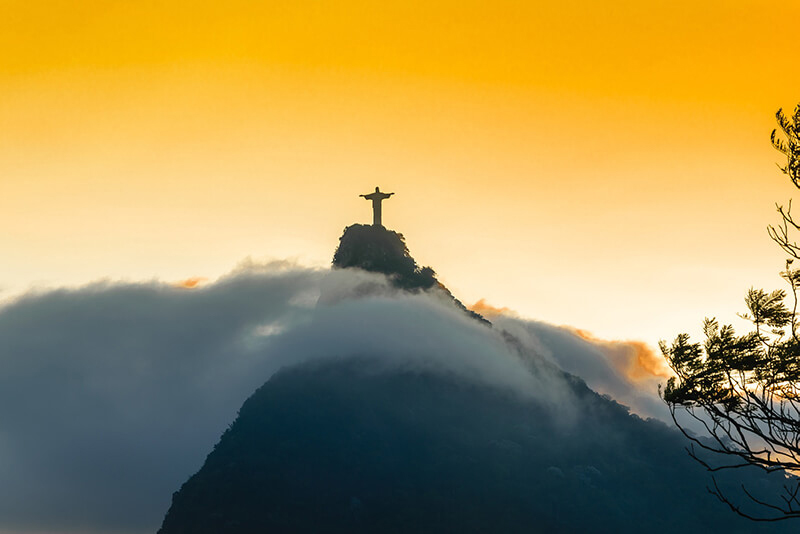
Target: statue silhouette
(376, 199)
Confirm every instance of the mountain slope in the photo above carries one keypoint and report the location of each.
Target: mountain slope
(343, 447)
(350, 444)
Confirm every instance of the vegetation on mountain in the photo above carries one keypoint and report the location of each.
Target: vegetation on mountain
(378, 250)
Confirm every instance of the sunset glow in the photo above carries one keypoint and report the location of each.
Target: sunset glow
(603, 165)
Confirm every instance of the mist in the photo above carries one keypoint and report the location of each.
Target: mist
(627, 371)
(113, 393)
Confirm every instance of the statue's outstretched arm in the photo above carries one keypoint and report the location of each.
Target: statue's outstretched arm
(365, 196)
(389, 194)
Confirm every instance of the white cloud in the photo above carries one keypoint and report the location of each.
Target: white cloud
(111, 395)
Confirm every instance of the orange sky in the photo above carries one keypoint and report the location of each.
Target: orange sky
(600, 164)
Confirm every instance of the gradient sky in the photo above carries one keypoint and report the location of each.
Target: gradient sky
(604, 165)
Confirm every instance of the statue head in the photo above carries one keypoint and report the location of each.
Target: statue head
(377, 189)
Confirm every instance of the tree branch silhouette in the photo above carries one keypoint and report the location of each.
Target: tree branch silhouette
(744, 391)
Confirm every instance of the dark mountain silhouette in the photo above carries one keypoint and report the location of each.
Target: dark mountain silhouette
(346, 445)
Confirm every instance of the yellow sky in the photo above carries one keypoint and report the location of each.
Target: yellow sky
(599, 164)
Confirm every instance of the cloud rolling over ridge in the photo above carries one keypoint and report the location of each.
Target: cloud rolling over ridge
(628, 371)
(112, 394)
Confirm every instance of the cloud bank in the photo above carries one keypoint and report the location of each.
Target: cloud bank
(627, 371)
(111, 395)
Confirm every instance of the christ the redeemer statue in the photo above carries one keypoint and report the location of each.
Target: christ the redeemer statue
(377, 197)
